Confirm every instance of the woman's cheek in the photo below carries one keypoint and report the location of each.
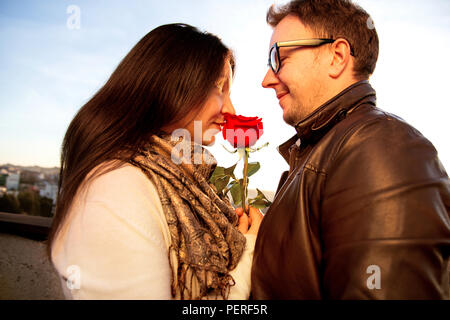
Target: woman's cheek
(218, 104)
(209, 134)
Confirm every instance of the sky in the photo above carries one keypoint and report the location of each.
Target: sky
(50, 68)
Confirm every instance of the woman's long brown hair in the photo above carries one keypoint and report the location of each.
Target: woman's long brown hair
(168, 74)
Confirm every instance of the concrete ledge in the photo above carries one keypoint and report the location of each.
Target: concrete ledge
(25, 271)
(33, 227)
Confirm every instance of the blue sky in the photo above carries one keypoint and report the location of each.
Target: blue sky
(49, 71)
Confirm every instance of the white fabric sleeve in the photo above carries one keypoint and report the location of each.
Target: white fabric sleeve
(116, 240)
(242, 273)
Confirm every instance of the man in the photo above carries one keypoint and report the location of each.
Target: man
(363, 211)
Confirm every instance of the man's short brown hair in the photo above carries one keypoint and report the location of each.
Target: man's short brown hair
(336, 19)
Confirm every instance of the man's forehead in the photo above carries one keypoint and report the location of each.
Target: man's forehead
(290, 28)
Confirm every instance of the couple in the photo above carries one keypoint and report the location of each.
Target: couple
(361, 214)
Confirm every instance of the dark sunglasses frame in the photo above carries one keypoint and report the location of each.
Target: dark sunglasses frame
(295, 43)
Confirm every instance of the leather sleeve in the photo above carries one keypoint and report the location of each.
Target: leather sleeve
(385, 216)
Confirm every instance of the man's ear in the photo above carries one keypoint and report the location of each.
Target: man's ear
(340, 57)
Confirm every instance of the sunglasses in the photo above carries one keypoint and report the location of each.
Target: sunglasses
(274, 54)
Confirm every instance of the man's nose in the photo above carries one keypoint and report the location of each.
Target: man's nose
(228, 106)
(270, 79)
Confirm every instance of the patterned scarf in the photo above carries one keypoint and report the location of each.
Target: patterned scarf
(205, 241)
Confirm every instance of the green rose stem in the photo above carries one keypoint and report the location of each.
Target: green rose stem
(244, 180)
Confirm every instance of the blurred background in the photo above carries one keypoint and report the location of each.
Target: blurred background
(54, 55)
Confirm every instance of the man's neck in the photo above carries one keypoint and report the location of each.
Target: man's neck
(335, 88)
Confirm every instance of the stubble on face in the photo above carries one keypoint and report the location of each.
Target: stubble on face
(302, 74)
(304, 103)
(292, 115)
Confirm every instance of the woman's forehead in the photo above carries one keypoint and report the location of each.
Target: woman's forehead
(226, 75)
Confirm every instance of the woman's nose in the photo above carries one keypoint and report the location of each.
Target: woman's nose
(228, 106)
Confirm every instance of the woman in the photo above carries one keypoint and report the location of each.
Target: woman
(132, 221)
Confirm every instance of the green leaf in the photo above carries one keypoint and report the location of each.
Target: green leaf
(218, 173)
(260, 204)
(261, 195)
(230, 171)
(234, 151)
(241, 153)
(229, 186)
(260, 201)
(236, 193)
(253, 167)
(221, 183)
(232, 183)
(257, 149)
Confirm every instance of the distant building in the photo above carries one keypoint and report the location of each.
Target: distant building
(12, 181)
(48, 190)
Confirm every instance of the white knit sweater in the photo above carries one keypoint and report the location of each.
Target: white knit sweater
(114, 244)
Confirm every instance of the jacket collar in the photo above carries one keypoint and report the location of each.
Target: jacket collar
(314, 126)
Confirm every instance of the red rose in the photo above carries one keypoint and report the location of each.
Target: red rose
(242, 132)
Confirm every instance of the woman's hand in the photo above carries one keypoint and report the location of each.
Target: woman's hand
(249, 223)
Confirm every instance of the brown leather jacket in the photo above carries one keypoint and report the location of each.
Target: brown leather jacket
(365, 190)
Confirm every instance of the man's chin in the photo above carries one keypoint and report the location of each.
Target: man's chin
(290, 119)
